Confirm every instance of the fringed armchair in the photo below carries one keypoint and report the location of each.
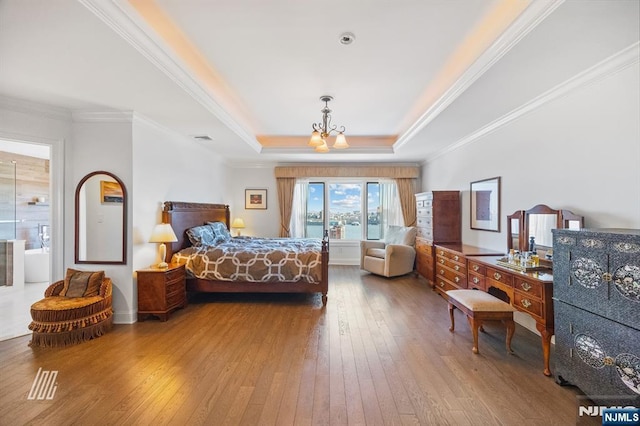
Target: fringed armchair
(73, 310)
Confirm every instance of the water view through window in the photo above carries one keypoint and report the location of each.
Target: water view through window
(346, 220)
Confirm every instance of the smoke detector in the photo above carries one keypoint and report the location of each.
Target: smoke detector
(347, 38)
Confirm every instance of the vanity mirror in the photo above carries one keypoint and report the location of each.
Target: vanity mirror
(538, 222)
(100, 219)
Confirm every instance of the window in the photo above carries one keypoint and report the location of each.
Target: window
(348, 209)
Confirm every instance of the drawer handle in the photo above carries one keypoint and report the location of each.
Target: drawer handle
(456, 257)
(457, 268)
(525, 303)
(497, 276)
(525, 286)
(441, 272)
(457, 279)
(441, 253)
(476, 267)
(475, 280)
(441, 284)
(606, 277)
(441, 261)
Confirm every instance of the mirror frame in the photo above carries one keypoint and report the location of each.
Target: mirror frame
(123, 260)
(562, 222)
(518, 214)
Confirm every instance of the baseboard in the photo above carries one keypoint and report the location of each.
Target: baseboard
(125, 317)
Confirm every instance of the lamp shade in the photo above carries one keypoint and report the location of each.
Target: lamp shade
(237, 223)
(316, 139)
(341, 142)
(163, 233)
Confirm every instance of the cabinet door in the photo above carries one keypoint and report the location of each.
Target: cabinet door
(600, 275)
(598, 355)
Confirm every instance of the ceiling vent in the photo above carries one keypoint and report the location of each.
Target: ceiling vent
(202, 137)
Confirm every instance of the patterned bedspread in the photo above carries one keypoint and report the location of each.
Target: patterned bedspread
(256, 260)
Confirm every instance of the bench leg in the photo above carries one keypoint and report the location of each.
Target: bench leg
(511, 328)
(475, 324)
(453, 323)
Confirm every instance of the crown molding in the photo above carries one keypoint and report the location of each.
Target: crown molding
(81, 116)
(600, 71)
(374, 150)
(530, 18)
(36, 108)
(124, 20)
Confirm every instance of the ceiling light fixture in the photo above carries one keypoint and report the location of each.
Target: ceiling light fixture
(323, 129)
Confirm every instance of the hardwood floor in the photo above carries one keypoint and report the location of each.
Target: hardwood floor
(379, 353)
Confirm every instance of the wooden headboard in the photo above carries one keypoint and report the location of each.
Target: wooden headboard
(183, 216)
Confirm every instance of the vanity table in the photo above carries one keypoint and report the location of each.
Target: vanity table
(528, 292)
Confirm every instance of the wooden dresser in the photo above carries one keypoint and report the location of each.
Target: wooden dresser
(451, 265)
(438, 221)
(161, 291)
(530, 292)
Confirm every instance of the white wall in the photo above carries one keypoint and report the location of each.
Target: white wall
(258, 223)
(579, 152)
(167, 167)
(103, 142)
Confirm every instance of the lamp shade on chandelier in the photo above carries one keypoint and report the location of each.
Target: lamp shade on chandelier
(323, 129)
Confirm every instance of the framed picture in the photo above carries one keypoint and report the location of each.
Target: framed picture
(485, 204)
(110, 192)
(255, 199)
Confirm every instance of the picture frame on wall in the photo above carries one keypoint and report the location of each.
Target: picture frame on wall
(485, 204)
(111, 192)
(255, 199)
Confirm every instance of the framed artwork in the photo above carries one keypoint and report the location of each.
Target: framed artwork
(110, 192)
(485, 204)
(255, 199)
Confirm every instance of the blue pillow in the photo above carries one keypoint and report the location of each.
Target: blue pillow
(202, 236)
(220, 230)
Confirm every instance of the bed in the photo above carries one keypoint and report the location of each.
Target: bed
(184, 216)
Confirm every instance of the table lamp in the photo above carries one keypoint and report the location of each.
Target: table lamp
(163, 233)
(238, 224)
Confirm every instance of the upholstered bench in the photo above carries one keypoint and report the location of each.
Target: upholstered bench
(479, 306)
(73, 310)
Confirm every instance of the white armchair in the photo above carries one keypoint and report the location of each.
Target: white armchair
(392, 257)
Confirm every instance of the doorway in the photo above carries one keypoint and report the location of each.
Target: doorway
(25, 231)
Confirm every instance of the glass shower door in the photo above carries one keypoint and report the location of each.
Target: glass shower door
(7, 217)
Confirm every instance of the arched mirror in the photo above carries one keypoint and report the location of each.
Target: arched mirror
(101, 219)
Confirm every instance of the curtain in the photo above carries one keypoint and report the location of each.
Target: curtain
(351, 170)
(406, 193)
(286, 188)
(299, 210)
(390, 206)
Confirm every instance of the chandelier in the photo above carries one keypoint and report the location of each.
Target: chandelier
(323, 129)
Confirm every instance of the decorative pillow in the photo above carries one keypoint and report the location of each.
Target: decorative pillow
(220, 229)
(202, 235)
(404, 235)
(82, 283)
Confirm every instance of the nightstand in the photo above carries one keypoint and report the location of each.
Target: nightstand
(161, 291)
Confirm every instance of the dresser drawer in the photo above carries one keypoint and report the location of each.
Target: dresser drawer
(426, 233)
(175, 285)
(175, 274)
(450, 255)
(444, 285)
(175, 299)
(528, 304)
(426, 212)
(456, 266)
(528, 288)
(501, 276)
(475, 281)
(478, 268)
(424, 222)
(458, 279)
